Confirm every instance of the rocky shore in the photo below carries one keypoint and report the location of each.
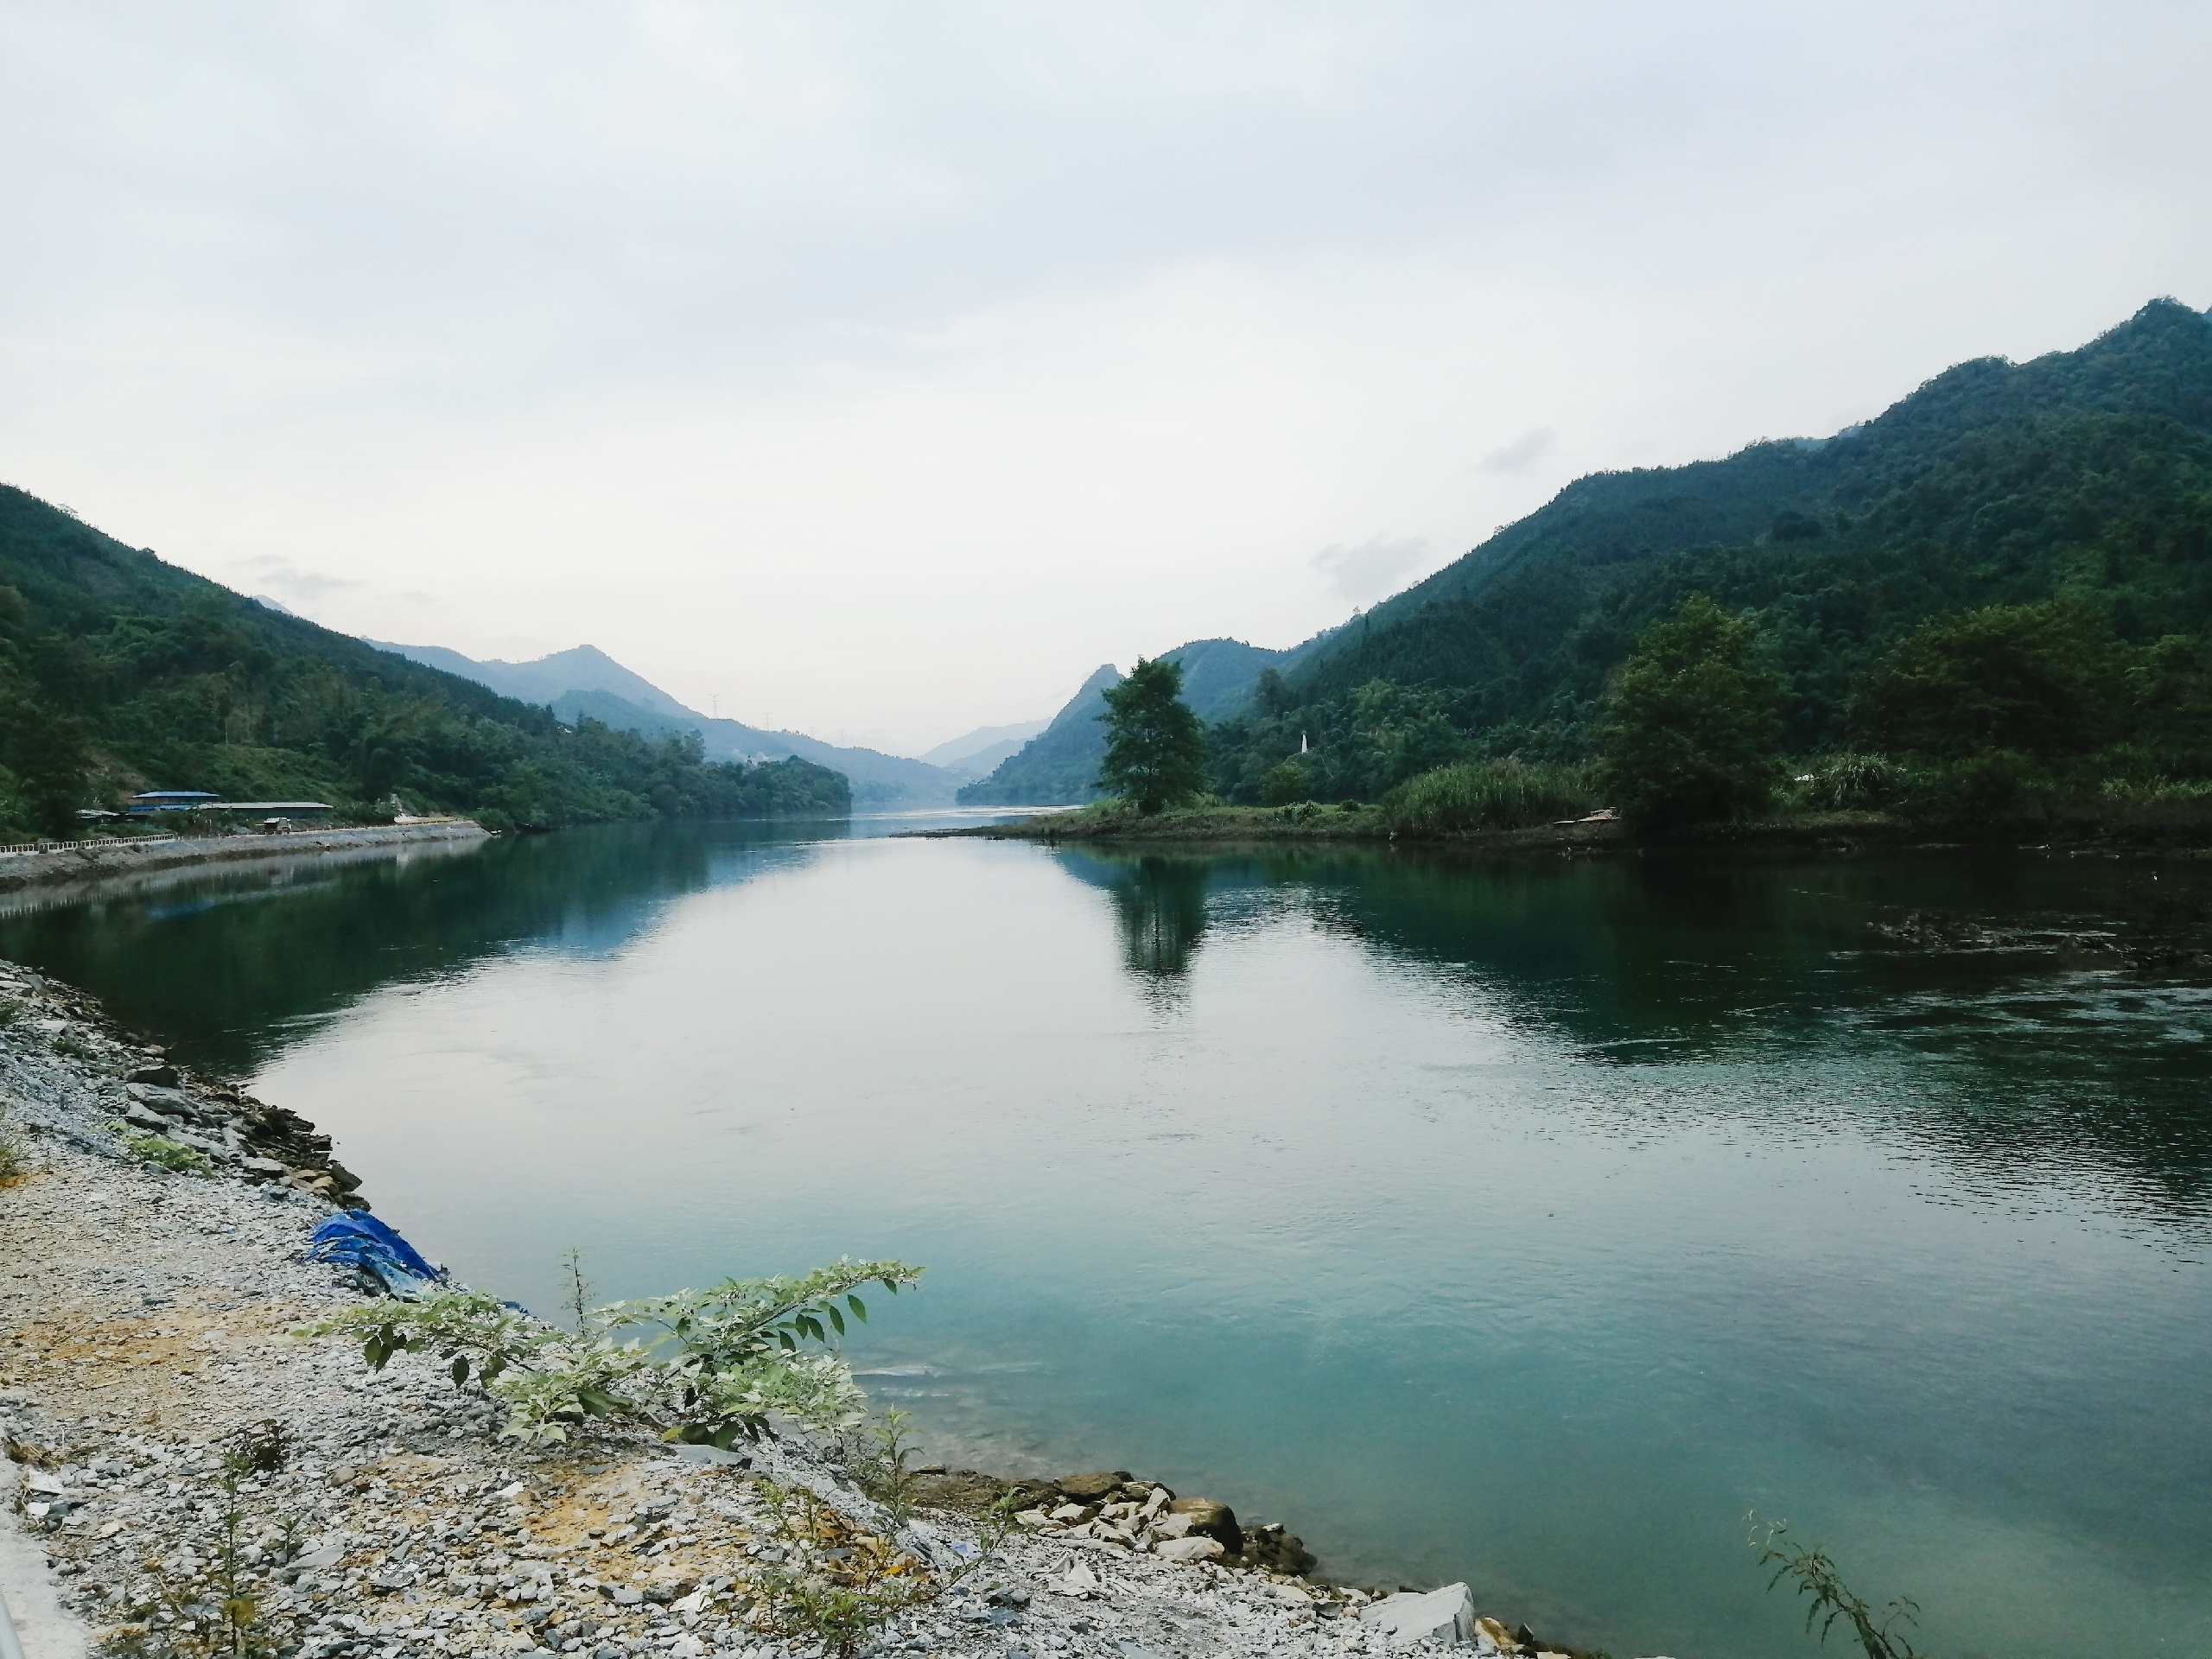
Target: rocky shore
(186, 1475)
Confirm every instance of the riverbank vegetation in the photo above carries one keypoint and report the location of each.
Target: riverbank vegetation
(1990, 606)
(1994, 599)
(119, 672)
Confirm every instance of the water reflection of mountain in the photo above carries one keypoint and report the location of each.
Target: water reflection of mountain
(218, 972)
(2031, 1030)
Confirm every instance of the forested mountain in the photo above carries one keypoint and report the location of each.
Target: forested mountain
(2084, 477)
(119, 672)
(1059, 767)
(586, 681)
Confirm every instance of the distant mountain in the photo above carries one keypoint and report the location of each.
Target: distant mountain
(584, 667)
(1059, 768)
(981, 749)
(586, 682)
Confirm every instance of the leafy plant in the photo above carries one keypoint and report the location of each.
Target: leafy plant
(14, 1156)
(578, 1290)
(845, 1585)
(878, 1459)
(705, 1367)
(224, 1616)
(164, 1154)
(265, 1447)
(1814, 1575)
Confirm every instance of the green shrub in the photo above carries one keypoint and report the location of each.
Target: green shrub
(1286, 784)
(1501, 794)
(168, 1154)
(702, 1366)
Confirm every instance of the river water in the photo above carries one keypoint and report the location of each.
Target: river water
(1524, 1222)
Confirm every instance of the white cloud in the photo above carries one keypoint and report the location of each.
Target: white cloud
(1375, 569)
(1522, 453)
(895, 365)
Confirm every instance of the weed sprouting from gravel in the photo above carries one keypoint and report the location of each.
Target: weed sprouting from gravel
(578, 1291)
(215, 1611)
(839, 1586)
(877, 1456)
(171, 1155)
(15, 1154)
(264, 1448)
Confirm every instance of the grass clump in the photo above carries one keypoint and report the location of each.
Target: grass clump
(1849, 781)
(1503, 794)
(164, 1154)
(14, 1154)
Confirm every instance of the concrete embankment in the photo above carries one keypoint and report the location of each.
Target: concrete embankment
(152, 1385)
(55, 873)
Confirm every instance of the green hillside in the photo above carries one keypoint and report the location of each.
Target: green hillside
(119, 672)
(1059, 766)
(2082, 479)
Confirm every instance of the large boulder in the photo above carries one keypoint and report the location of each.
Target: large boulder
(1215, 1521)
(1446, 1615)
(1089, 1489)
(1194, 1547)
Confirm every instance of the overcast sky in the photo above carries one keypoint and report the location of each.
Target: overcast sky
(880, 369)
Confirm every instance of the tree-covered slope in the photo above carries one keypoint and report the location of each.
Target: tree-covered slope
(2085, 473)
(120, 672)
(1059, 767)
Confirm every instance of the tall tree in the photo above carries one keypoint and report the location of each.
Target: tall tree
(1155, 746)
(1693, 726)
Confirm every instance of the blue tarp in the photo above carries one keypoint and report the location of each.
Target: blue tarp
(357, 1239)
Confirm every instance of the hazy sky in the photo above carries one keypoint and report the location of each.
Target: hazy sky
(882, 368)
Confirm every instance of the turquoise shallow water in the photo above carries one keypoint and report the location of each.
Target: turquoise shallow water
(1524, 1223)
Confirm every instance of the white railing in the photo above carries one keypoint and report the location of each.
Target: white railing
(22, 849)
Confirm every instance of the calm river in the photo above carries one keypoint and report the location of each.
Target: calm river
(1526, 1223)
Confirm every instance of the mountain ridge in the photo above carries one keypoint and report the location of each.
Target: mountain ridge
(585, 680)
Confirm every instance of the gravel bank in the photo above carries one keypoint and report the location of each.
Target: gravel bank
(146, 1321)
(106, 862)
